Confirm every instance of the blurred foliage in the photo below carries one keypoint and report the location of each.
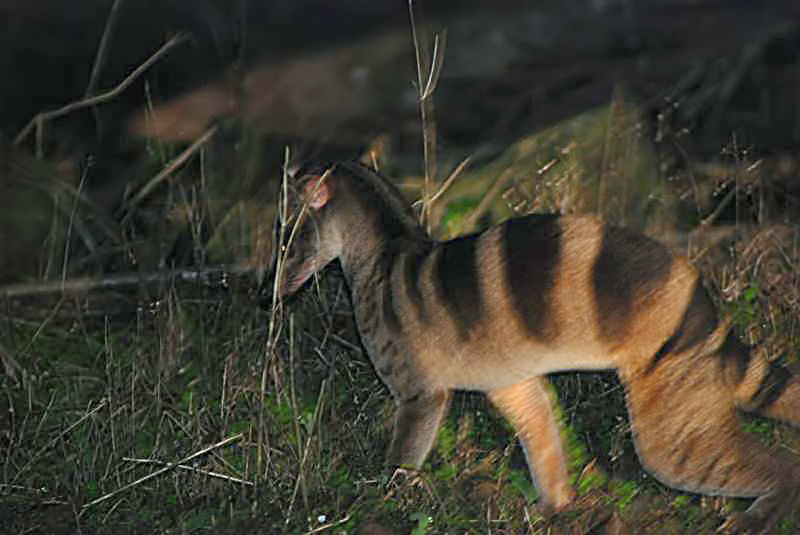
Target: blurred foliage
(600, 162)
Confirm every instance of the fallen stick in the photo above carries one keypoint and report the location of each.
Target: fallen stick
(162, 471)
(208, 276)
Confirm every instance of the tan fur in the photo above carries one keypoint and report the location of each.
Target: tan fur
(498, 311)
(528, 407)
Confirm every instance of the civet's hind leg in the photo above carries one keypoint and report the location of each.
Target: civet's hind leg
(528, 407)
(417, 420)
(688, 435)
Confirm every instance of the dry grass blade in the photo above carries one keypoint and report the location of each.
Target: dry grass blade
(40, 119)
(300, 475)
(425, 96)
(437, 63)
(208, 473)
(71, 225)
(488, 198)
(276, 306)
(54, 441)
(448, 181)
(162, 471)
(298, 223)
(329, 525)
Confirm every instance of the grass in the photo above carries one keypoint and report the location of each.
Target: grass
(182, 408)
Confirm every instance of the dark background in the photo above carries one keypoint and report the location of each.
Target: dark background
(510, 66)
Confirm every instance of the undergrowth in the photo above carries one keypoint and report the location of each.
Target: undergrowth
(183, 408)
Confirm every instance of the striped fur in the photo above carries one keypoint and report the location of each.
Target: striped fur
(499, 310)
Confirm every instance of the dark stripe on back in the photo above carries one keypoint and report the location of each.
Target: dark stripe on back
(532, 249)
(458, 284)
(699, 321)
(772, 386)
(629, 265)
(394, 219)
(413, 289)
(381, 197)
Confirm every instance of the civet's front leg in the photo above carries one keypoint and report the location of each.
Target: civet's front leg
(416, 423)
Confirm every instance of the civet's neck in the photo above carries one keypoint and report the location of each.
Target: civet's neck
(375, 223)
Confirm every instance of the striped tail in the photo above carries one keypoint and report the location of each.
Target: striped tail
(756, 384)
(760, 386)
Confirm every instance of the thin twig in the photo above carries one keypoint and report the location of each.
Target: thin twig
(191, 469)
(448, 181)
(329, 525)
(100, 61)
(71, 224)
(176, 162)
(40, 119)
(712, 217)
(7, 487)
(102, 48)
(172, 466)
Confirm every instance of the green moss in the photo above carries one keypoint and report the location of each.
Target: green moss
(446, 441)
(423, 521)
(625, 492)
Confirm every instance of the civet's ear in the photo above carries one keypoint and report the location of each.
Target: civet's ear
(317, 191)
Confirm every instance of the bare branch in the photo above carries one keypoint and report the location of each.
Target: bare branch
(84, 284)
(40, 119)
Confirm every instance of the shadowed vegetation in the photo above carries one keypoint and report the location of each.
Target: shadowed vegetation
(146, 386)
(272, 421)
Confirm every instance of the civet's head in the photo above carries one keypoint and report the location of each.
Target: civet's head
(346, 208)
(306, 237)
